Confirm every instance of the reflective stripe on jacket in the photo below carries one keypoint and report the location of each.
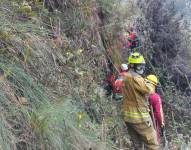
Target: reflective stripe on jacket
(135, 107)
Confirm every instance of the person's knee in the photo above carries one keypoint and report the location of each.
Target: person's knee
(150, 137)
(152, 143)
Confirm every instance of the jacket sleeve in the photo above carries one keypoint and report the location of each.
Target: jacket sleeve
(118, 83)
(155, 101)
(141, 86)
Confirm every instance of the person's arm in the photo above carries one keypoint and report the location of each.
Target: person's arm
(141, 86)
(111, 78)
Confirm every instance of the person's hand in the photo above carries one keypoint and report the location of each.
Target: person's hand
(162, 130)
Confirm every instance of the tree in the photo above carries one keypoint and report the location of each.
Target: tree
(164, 24)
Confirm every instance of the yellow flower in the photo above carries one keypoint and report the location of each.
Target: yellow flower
(79, 117)
(79, 51)
(69, 55)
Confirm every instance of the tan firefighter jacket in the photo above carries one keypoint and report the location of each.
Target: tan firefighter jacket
(135, 106)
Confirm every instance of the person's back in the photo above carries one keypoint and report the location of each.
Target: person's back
(135, 110)
(134, 97)
(156, 105)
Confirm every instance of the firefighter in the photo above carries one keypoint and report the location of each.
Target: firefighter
(133, 40)
(156, 105)
(135, 110)
(113, 81)
(118, 83)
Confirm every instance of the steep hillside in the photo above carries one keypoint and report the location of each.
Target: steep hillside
(51, 73)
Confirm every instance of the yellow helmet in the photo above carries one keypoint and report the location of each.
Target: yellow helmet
(136, 58)
(153, 79)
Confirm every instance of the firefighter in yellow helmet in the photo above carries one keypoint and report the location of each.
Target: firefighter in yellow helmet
(135, 109)
(156, 105)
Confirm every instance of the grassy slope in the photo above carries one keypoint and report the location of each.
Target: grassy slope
(35, 114)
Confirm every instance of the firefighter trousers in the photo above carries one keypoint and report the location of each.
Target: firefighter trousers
(143, 133)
